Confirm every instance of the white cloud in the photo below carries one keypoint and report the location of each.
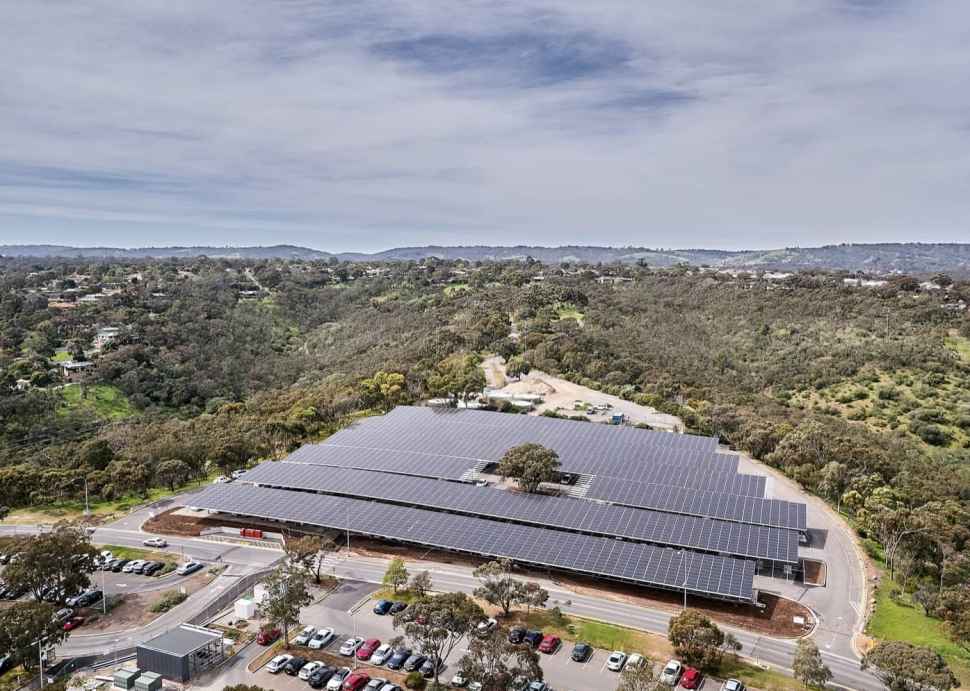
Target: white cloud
(368, 124)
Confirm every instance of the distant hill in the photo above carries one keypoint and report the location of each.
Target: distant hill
(914, 258)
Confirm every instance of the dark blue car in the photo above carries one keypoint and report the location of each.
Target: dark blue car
(383, 607)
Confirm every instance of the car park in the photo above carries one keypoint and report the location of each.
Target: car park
(350, 646)
(276, 665)
(581, 652)
(381, 655)
(732, 685)
(267, 636)
(413, 663)
(367, 649)
(356, 681)
(382, 607)
(294, 666)
(337, 679)
(671, 673)
(533, 638)
(304, 636)
(155, 542)
(550, 644)
(308, 669)
(188, 567)
(319, 677)
(691, 678)
(615, 661)
(397, 660)
(398, 607)
(321, 639)
(516, 634)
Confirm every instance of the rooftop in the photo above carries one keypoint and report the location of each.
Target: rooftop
(183, 640)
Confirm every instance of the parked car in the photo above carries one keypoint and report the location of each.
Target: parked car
(188, 567)
(581, 652)
(516, 634)
(398, 659)
(458, 681)
(356, 681)
(308, 669)
(350, 646)
(320, 676)
(691, 678)
(118, 564)
(73, 623)
(277, 664)
(304, 636)
(132, 565)
(550, 644)
(615, 661)
(427, 668)
(268, 635)
(485, 626)
(63, 614)
(391, 687)
(376, 684)
(337, 680)
(156, 542)
(538, 686)
(381, 655)
(671, 673)
(732, 685)
(152, 567)
(533, 638)
(383, 607)
(85, 599)
(294, 666)
(636, 661)
(414, 663)
(398, 607)
(475, 686)
(367, 648)
(220, 480)
(321, 639)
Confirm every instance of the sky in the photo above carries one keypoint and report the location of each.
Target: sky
(371, 124)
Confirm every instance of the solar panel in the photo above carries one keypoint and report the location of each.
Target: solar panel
(583, 447)
(634, 562)
(703, 533)
(774, 513)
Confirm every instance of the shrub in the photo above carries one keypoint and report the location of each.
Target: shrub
(415, 681)
(168, 601)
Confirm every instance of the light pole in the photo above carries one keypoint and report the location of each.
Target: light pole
(87, 506)
(40, 659)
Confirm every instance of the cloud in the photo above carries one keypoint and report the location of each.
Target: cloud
(365, 125)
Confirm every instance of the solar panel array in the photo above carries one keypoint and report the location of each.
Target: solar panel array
(719, 576)
(588, 448)
(731, 507)
(710, 535)
(388, 460)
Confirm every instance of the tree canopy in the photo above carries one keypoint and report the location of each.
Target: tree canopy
(530, 465)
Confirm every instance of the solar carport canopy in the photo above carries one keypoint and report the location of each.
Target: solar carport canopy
(583, 447)
(705, 574)
(565, 513)
(775, 513)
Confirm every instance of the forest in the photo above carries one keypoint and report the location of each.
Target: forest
(861, 394)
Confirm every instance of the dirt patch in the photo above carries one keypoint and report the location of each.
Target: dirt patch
(134, 610)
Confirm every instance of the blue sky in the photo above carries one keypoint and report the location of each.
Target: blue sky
(363, 125)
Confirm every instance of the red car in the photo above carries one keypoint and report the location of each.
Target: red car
(367, 649)
(73, 623)
(356, 681)
(691, 679)
(267, 636)
(549, 644)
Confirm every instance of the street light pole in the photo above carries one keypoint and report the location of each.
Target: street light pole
(87, 506)
(40, 659)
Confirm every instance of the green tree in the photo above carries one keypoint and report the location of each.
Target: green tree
(458, 375)
(23, 624)
(808, 665)
(696, 639)
(61, 559)
(517, 366)
(420, 584)
(173, 472)
(906, 667)
(530, 464)
(435, 625)
(497, 663)
(287, 593)
(498, 587)
(396, 576)
(309, 552)
(384, 390)
(640, 678)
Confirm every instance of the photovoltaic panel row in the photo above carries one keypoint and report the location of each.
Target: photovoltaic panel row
(676, 530)
(696, 502)
(582, 447)
(714, 575)
(403, 462)
(727, 482)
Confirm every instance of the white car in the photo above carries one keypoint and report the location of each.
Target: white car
(485, 626)
(475, 686)
(376, 684)
(220, 480)
(616, 660)
(132, 565)
(671, 674)
(155, 542)
(337, 680)
(635, 661)
(236, 474)
(381, 655)
(277, 664)
(321, 639)
(459, 680)
(305, 635)
(733, 685)
(350, 646)
(308, 669)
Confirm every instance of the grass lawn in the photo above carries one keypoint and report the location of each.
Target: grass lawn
(567, 311)
(121, 552)
(61, 356)
(456, 288)
(904, 620)
(106, 402)
(960, 345)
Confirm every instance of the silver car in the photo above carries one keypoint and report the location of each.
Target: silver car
(381, 655)
(350, 646)
(305, 635)
(671, 674)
